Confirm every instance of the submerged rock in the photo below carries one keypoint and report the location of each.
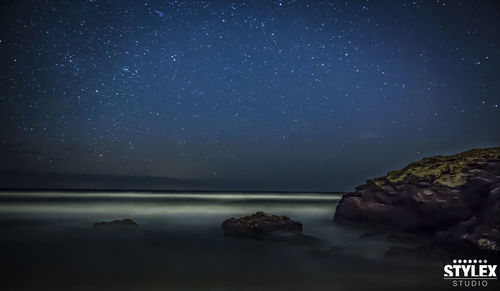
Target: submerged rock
(118, 222)
(260, 224)
(457, 197)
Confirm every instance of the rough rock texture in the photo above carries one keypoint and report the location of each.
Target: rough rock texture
(119, 222)
(260, 224)
(458, 197)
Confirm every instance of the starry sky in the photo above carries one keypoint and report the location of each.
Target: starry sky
(305, 94)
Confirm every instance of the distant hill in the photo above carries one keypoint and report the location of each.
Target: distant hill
(25, 180)
(78, 181)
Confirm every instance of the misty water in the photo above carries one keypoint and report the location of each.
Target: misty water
(48, 242)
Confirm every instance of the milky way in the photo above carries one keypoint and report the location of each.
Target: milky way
(318, 94)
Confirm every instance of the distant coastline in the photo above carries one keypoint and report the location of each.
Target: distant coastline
(52, 181)
(164, 191)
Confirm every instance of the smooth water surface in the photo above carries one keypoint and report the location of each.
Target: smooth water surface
(49, 243)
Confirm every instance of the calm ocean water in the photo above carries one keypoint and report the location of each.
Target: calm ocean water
(48, 243)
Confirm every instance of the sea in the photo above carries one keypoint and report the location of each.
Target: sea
(48, 242)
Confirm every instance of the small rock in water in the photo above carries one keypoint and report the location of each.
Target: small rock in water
(260, 224)
(118, 222)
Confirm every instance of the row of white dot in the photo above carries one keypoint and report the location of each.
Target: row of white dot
(470, 261)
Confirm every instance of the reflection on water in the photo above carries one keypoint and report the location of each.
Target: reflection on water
(48, 242)
(143, 205)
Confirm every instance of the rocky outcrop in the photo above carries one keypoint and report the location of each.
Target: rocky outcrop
(120, 222)
(457, 197)
(260, 224)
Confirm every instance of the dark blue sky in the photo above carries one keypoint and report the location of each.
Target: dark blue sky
(314, 94)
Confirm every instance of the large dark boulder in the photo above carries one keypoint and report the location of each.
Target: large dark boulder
(457, 197)
(260, 224)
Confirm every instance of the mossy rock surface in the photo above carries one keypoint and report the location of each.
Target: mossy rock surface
(451, 171)
(435, 194)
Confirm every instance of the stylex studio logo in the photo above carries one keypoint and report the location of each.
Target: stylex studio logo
(470, 273)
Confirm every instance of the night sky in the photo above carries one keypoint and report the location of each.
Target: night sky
(314, 94)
